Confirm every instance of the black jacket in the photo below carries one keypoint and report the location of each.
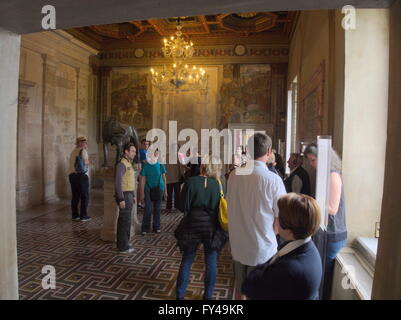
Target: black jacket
(294, 276)
(304, 176)
(200, 223)
(200, 227)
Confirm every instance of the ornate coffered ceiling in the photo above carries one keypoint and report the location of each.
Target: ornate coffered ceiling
(209, 28)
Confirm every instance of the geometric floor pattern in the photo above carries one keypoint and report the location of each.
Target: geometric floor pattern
(88, 268)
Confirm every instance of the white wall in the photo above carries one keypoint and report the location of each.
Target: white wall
(9, 65)
(365, 119)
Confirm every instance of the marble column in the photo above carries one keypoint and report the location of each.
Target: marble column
(9, 67)
(49, 163)
(104, 96)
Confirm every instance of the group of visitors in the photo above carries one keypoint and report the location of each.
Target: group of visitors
(260, 212)
(271, 221)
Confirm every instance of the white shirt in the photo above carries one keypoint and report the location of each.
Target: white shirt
(73, 155)
(252, 207)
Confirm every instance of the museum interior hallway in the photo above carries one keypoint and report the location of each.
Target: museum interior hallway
(296, 69)
(91, 269)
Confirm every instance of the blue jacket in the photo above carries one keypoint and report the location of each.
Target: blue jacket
(294, 276)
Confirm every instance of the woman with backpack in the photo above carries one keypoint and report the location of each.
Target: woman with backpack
(200, 200)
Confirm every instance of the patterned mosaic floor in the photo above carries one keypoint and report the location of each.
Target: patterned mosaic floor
(89, 268)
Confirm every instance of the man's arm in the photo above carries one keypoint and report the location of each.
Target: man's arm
(335, 193)
(278, 193)
(120, 171)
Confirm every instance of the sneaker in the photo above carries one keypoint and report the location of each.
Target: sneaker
(144, 233)
(76, 219)
(86, 218)
(157, 231)
(129, 250)
(140, 206)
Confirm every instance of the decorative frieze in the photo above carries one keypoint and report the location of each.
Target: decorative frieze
(226, 53)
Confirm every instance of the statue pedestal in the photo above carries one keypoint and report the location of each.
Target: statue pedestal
(110, 208)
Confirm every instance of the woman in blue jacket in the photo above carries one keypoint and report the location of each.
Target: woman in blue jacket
(295, 271)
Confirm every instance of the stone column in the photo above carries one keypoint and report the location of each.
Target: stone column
(49, 162)
(105, 95)
(110, 209)
(77, 103)
(165, 105)
(9, 67)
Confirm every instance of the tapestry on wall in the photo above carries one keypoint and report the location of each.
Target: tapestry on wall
(245, 94)
(131, 101)
(311, 108)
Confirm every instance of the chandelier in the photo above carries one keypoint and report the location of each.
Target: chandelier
(178, 76)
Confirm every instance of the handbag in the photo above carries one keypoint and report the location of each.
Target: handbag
(223, 210)
(156, 192)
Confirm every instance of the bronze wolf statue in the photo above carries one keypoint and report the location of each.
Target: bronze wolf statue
(118, 134)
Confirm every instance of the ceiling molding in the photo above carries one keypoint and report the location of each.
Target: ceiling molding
(25, 16)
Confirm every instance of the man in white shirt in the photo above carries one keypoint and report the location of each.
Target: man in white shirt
(252, 209)
(79, 180)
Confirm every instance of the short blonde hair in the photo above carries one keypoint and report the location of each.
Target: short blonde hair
(300, 214)
(211, 167)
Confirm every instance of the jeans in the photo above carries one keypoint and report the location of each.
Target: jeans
(332, 248)
(80, 193)
(124, 222)
(170, 188)
(185, 268)
(151, 207)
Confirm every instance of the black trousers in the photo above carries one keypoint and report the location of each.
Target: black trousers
(124, 222)
(170, 188)
(80, 193)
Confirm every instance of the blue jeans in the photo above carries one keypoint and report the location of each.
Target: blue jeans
(332, 248)
(151, 207)
(188, 258)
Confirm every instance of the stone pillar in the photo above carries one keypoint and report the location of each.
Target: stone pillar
(77, 134)
(110, 213)
(9, 67)
(105, 95)
(49, 163)
(387, 278)
(165, 106)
